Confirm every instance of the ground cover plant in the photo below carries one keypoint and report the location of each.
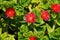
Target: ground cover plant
(29, 19)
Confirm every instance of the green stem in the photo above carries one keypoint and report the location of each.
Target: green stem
(53, 27)
(30, 8)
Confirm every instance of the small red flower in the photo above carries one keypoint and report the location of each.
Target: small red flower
(30, 17)
(10, 12)
(45, 15)
(55, 8)
(32, 38)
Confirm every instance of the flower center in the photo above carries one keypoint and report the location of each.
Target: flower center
(30, 18)
(55, 8)
(10, 12)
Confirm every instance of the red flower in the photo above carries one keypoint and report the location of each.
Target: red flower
(10, 12)
(55, 7)
(30, 17)
(32, 38)
(45, 15)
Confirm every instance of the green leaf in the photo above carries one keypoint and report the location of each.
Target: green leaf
(15, 1)
(0, 31)
(53, 1)
(57, 31)
(36, 11)
(23, 39)
(4, 35)
(1, 0)
(54, 15)
(39, 20)
(0, 37)
(51, 34)
(25, 34)
(44, 38)
(19, 10)
(59, 1)
(39, 33)
(57, 22)
(19, 35)
(44, 6)
(37, 25)
(18, 13)
(49, 29)
(24, 28)
(11, 38)
(36, 1)
(24, 2)
(30, 33)
(38, 14)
